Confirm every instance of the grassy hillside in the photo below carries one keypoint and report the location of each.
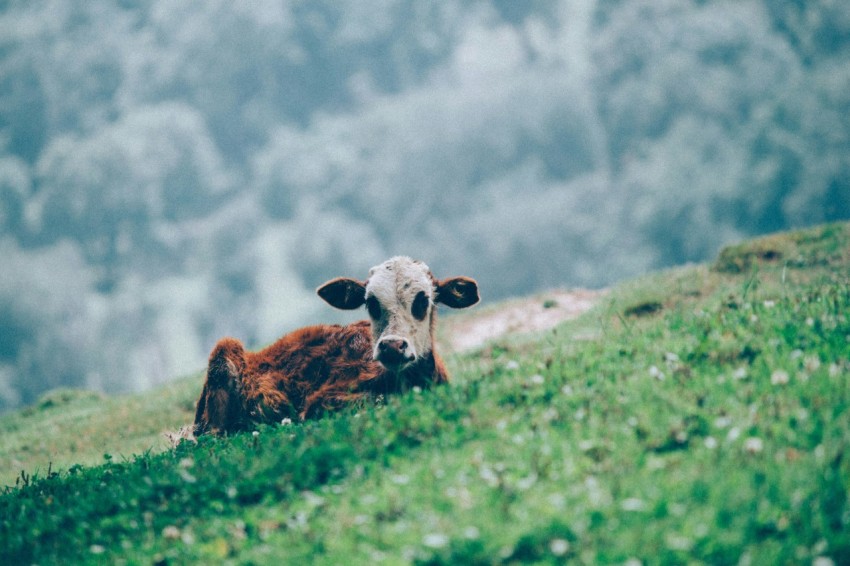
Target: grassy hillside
(696, 415)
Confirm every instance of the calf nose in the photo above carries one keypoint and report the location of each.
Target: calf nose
(393, 347)
(392, 352)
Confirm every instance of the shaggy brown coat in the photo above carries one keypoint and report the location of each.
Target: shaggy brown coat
(302, 375)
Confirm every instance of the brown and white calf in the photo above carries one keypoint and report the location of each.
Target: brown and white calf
(322, 368)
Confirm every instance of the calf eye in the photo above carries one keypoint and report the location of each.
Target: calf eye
(374, 307)
(420, 306)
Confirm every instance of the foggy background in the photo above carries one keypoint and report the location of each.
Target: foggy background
(176, 171)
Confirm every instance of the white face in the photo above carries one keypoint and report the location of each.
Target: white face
(400, 302)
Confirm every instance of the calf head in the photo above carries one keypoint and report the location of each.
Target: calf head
(400, 295)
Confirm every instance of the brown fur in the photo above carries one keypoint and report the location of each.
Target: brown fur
(302, 375)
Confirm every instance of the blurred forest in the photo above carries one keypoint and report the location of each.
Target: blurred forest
(171, 172)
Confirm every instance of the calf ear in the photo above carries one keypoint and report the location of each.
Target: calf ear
(457, 292)
(342, 293)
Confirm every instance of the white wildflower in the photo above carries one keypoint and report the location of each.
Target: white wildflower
(471, 533)
(656, 373)
(740, 373)
(769, 304)
(811, 363)
(550, 414)
(527, 482)
(823, 561)
(779, 377)
(97, 549)
(512, 365)
(678, 542)
(632, 504)
(171, 532)
(400, 479)
(435, 540)
(489, 476)
(255, 434)
(733, 434)
(753, 445)
(710, 442)
(536, 379)
(559, 546)
(286, 421)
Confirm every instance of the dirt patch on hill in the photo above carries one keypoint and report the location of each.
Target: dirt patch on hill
(517, 316)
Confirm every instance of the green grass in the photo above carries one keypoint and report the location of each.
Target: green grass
(710, 427)
(71, 427)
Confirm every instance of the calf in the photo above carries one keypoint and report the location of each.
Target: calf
(322, 368)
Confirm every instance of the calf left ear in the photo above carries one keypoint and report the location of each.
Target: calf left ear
(457, 292)
(343, 293)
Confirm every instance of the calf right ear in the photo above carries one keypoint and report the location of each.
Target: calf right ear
(343, 293)
(457, 292)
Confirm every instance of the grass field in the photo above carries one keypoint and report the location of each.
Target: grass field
(699, 415)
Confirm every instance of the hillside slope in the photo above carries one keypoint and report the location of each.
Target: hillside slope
(699, 414)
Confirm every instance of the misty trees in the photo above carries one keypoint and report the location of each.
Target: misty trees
(712, 104)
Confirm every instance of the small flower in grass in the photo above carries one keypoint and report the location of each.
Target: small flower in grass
(678, 542)
(632, 504)
(512, 365)
(823, 561)
(435, 540)
(656, 373)
(811, 363)
(753, 445)
(171, 532)
(559, 546)
(710, 442)
(536, 379)
(779, 377)
(97, 549)
(471, 533)
(286, 421)
(769, 304)
(740, 373)
(400, 479)
(255, 434)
